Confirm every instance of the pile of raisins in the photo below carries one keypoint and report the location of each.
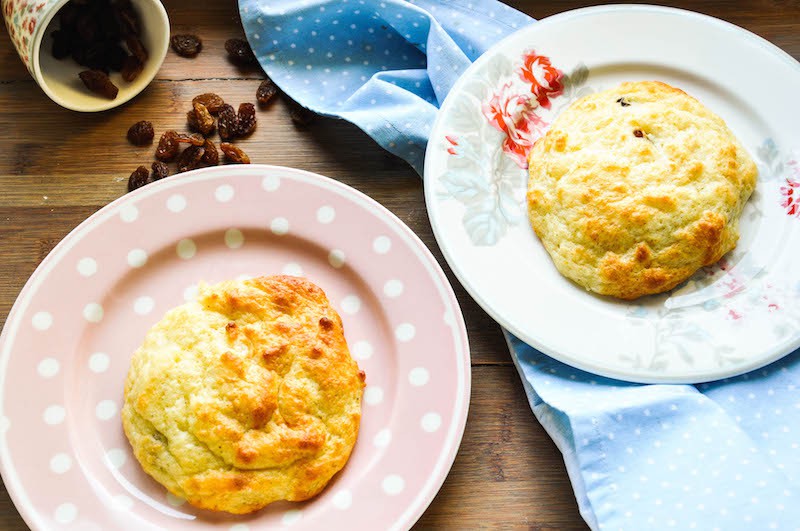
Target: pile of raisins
(209, 114)
(200, 150)
(103, 36)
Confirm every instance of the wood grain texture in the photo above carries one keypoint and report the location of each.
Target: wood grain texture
(57, 167)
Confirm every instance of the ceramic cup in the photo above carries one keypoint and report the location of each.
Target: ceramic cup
(27, 22)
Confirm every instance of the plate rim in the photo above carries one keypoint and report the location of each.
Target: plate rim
(446, 459)
(786, 347)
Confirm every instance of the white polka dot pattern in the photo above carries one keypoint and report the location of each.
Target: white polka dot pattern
(186, 248)
(292, 516)
(48, 367)
(137, 257)
(65, 513)
(234, 238)
(87, 266)
(42, 320)
(393, 484)
(93, 312)
(336, 258)
(176, 203)
(140, 259)
(60, 463)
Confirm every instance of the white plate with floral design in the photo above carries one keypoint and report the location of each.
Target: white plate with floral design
(735, 316)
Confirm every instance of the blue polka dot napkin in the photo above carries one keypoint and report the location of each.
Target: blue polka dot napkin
(722, 455)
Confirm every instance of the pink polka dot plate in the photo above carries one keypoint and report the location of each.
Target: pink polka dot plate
(67, 343)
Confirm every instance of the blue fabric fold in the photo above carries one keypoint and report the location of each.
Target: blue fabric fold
(722, 455)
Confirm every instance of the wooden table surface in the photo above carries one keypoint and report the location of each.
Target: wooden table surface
(57, 167)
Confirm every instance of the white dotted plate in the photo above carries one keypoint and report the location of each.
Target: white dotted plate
(742, 313)
(66, 345)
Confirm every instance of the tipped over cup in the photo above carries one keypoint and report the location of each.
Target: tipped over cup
(31, 25)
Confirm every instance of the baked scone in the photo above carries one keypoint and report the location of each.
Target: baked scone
(246, 396)
(635, 188)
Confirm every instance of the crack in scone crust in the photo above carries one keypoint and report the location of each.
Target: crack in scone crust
(635, 188)
(246, 396)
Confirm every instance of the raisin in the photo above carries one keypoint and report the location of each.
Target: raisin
(211, 155)
(239, 52)
(227, 122)
(68, 16)
(141, 133)
(193, 139)
(94, 56)
(86, 27)
(131, 68)
(299, 114)
(234, 154)
(266, 91)
(160, 170)
(186, 45)
(138, 178)
(638, 133)
(127, 18)
(136, 48)
(115, 56)
(99, 83)
(191, 121)
(623, 102)
(203, 121)
(211, 101)
(168, 146)
(190, 158)
(62, 44)
(245, 119)
(109, 23)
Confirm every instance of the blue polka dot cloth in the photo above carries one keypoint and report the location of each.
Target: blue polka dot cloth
(722, 455)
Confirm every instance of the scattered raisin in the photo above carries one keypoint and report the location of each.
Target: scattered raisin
(202, 122)
(227, 122)
(138, 178)
(211, 155)
(211, 101)
(160, 170)
(168, 146)
(239, 52)
(638, 133)
(186, 45)
(266, 91)
(245, 120)
(623, 102)
(141, 133)
(136, 48)
(190, 158)
(131, 68)
(234, 154)
(99, 83)
(299, 114)
(193, 139)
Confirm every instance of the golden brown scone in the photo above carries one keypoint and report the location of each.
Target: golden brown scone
(245, 396)
(635, 188)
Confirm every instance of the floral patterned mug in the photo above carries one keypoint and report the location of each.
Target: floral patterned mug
(27, 22)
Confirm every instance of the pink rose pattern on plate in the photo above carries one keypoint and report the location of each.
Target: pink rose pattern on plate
(791, 191)
(514, 113)
(486, 172)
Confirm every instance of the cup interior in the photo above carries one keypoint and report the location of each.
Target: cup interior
(59, 78)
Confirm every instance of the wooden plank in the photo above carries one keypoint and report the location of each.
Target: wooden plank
(58, 167)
